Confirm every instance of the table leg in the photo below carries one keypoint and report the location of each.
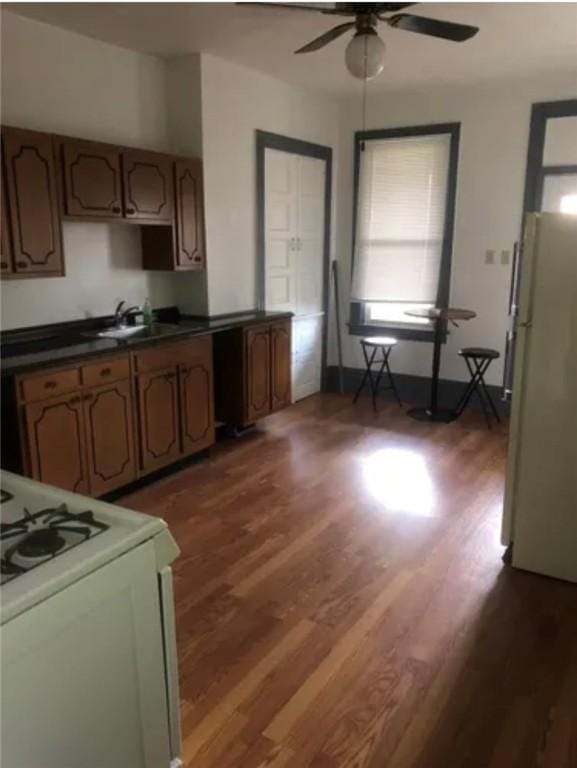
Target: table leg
(433, 412)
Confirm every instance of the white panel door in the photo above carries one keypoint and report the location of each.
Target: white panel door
(294, 253)
(280, 230)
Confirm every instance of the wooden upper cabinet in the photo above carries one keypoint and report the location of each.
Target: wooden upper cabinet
(55, 437)
(109, 436)
(158, 418)
(31, 188)
(280, 352)
(258, 378)
(148, 186)
(5, 249)
(92, 179)
(189, 214)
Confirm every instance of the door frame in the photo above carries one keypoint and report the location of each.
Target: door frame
(536, 171)
(264, 141)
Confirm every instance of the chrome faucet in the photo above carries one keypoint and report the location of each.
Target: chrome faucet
(121, 315)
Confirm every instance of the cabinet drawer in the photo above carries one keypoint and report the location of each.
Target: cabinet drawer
(163, 356)
(45, 385)
(199, 348)
(105, 370)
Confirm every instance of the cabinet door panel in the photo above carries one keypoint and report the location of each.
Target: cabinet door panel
(55, 433)
(5, 250)
(147, 186)
(158, 418)
(109, 437)
(280, 341)
(189, 214)
(91, 180)
(258, 378)
(33, 203)
(196, 404)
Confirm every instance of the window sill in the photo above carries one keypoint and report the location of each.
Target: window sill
(406, 334)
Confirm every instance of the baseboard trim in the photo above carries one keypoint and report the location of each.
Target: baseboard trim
(414, 389)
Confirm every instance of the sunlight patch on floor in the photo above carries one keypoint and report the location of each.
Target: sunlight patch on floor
(400, 480)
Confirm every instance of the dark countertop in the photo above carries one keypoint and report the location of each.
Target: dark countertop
(28, 349)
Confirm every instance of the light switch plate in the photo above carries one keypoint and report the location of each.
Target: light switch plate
(505, 257)
(489, 257)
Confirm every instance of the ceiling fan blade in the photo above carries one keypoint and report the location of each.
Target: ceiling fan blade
(375, 8)
(448, 30)
(318, 7)
(327, 37)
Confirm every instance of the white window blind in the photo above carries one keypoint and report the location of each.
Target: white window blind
(402, 199)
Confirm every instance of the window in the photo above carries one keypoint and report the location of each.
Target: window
(405, 191)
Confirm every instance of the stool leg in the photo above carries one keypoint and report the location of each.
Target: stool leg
(468, 391)
(365, 375)
(488, 394)
(371, 380)
(392, 379)
(479, 366)
(380, 374)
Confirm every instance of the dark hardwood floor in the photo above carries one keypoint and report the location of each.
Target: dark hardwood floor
(342, 603)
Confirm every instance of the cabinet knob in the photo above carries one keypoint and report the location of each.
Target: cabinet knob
(74, 400)
(22, 264)
(106, 371)
(50, 385)
(116, 209)
(170, 376)
(88, 396)
(130, 211)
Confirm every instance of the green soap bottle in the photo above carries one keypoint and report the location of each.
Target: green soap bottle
(147, 312)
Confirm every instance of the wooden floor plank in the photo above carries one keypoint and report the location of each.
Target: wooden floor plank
(341, 600)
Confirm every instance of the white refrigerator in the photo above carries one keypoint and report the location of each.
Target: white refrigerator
(540, 509)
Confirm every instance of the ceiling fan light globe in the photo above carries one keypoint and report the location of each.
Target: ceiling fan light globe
(365, 56)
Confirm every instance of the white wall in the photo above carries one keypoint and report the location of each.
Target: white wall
(235, 102)
(58, 81)
(494, 136)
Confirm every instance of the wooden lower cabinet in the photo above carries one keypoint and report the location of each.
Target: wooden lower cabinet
(158, 417)
(109, 436)
(281, 374)
(93, 428)
(258, 372)
(175, 402)
(56, 442)
(82, 437)
(196, 404)
(252, 372)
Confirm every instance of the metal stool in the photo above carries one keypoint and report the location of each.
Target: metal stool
(478, 359)
(370, 346)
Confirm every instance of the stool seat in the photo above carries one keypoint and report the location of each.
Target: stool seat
(480, 352)
(379, 341)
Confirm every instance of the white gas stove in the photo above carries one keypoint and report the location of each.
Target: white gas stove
(89, 648)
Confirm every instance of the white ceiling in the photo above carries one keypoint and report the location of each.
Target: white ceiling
(515, 39)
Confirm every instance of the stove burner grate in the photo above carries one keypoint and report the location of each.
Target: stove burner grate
(42, 536)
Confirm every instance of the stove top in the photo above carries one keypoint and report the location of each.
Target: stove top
(33, 538)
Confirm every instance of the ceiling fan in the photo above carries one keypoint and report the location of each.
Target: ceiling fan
(365, 53)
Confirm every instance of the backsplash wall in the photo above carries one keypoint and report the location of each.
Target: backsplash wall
(103, 266)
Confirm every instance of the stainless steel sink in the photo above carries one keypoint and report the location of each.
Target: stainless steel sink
(129, 331)
(121, 333)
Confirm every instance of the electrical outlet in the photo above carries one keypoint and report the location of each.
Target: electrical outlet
(489, 257)
(505, 257)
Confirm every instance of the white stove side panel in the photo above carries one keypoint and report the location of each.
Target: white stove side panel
(83, 674)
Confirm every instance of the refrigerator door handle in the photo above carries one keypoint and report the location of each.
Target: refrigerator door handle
(526, 324)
